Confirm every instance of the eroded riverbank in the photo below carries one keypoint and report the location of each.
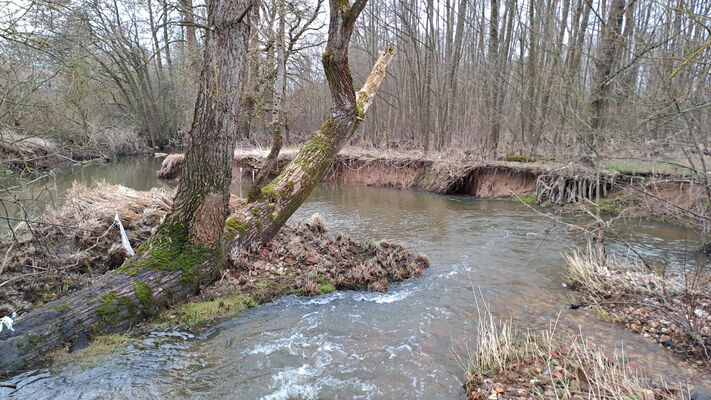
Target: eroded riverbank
(663, 195)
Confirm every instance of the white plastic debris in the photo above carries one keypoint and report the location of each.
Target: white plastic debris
(7, 321)
(124, 238)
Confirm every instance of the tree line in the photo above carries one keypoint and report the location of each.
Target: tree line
(533, 77)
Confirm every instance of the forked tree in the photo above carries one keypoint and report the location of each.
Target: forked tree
(193, 242)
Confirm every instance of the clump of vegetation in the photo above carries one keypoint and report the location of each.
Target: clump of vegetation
(527, 198)
(552, 364)
(672, 308)
(198, 313)
(305, 259)
(98, 351)
(616, 204)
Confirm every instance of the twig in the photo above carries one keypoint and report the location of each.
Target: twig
(46, 223)
(4, 261)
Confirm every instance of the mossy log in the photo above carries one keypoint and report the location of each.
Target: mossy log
(112, 305)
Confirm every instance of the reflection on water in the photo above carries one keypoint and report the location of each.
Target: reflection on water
(36, 191)
(403, 344)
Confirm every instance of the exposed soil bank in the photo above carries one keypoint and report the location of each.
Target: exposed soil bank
(639, 194)
(486, 180)
(673, 310)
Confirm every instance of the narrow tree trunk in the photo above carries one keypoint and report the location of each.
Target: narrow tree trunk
(495, 129)
(186, 7)
(277, 108)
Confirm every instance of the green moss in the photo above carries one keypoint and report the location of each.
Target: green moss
(114, 308)
(325, 288)
(144, 293)
(192, 315)
(615, 204)
(290, 186)
(62, 308)
(170, 249)
(527, 199)
(32, 343)
(255, 212)
(234, 225)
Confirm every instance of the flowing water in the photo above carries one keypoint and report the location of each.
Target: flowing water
(408, 343)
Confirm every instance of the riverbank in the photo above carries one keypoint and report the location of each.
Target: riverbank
(71, 246)
(554, 364)
(26, 152)
(660, 194)
(672, 308)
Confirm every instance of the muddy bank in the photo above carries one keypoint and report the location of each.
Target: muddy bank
(672, 308)
(483, 180)
(69, 247)
(661, 196)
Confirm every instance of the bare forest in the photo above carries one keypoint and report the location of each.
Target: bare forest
(608, 79)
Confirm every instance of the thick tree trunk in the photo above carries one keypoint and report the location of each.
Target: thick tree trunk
(185, 251)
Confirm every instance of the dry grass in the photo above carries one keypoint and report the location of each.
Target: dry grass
(72, 243)
(553, 364)
(585, 273)
(99, 350)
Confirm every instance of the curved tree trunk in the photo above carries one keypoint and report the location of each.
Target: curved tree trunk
(185, 251)
(278, 201)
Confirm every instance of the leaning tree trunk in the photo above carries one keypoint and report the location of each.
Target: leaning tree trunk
(185, 251)
(263, 218)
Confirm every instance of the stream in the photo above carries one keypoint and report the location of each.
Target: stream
(411, 342)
